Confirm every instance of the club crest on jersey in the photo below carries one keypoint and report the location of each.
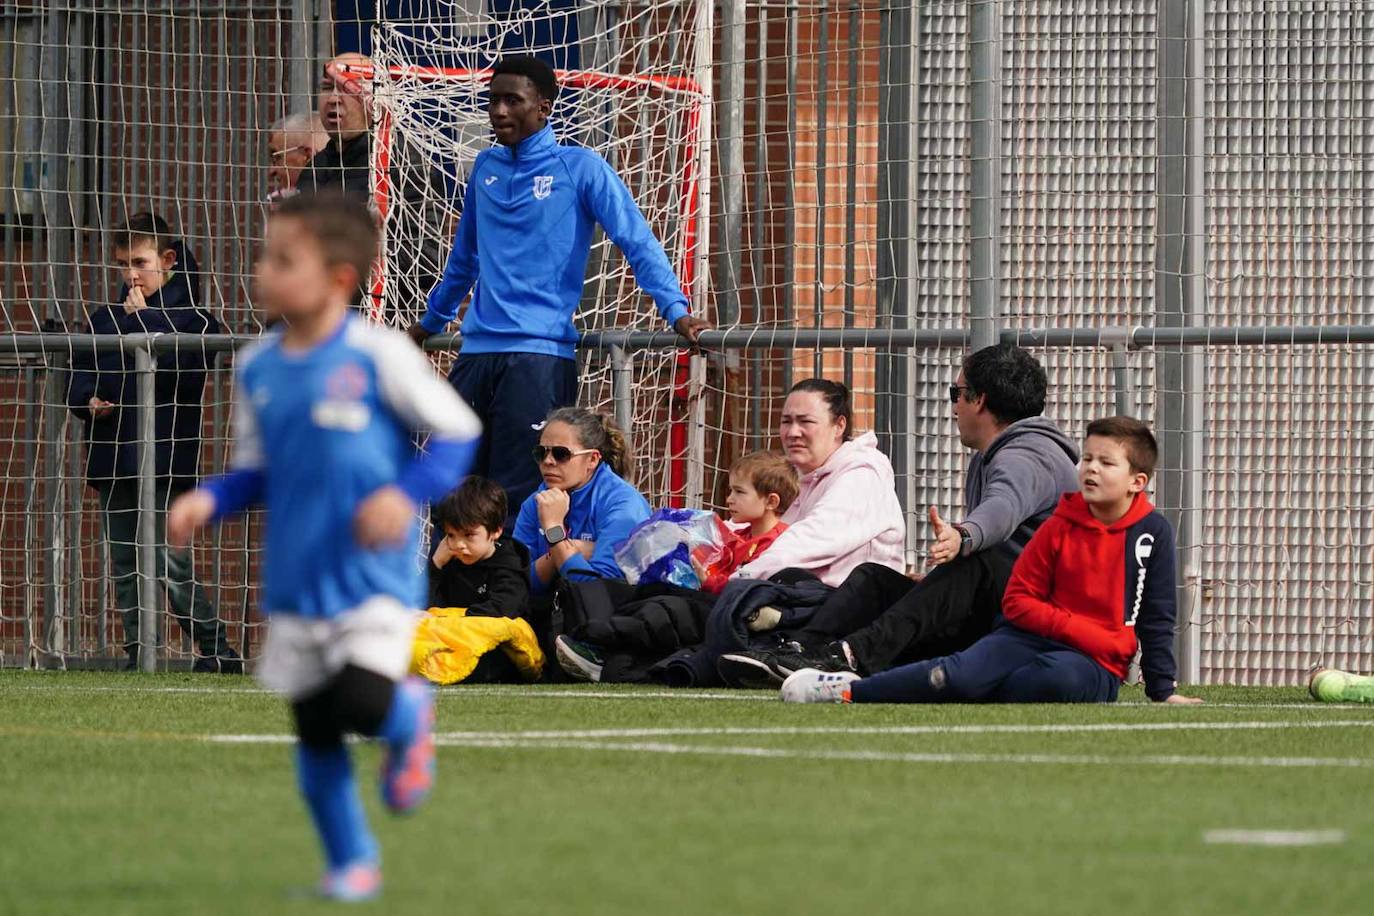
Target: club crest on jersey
(543, 186)
(342, 407)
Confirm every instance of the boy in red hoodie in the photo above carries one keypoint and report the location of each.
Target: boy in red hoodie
(762, 486)
(1095, 578)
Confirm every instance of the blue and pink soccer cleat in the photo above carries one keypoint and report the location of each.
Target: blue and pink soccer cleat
(408, 772)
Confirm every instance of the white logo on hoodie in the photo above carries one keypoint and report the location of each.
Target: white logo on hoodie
(543, 185)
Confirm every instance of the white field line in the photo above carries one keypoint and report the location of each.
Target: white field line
(904, 757)
(495, 742)
(1274, 837)
(1044, 729)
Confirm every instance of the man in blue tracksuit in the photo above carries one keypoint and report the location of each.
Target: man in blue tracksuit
(523, 239)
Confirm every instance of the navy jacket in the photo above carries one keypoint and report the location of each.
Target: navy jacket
(179, 385)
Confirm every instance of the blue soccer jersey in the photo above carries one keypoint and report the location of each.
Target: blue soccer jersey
(316, 433)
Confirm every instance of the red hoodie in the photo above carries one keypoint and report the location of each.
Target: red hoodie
(738, 552)
(1093, 586)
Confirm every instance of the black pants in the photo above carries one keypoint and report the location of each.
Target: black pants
(887, 619)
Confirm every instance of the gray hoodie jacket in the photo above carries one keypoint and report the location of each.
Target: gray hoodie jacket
(1015, 483)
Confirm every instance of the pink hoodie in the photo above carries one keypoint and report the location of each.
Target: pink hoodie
(846, 514)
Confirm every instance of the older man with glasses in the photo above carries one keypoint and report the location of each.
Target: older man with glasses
(291, 143)
(1020, 467)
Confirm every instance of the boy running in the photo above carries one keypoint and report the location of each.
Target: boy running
(325, 411)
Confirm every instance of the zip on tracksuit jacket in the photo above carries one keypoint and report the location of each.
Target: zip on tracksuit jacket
(1098, 588)
(524, 237)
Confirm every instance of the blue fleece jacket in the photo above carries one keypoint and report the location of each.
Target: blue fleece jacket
(524, 238)
(604, 510)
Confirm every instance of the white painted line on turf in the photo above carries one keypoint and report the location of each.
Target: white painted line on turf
(497, 742)
(902, 757)
(1274, 837)
(688, 732)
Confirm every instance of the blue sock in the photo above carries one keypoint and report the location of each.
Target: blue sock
(403, 718)
(326, 781)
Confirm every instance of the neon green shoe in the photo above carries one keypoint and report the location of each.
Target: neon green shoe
(1331, 686)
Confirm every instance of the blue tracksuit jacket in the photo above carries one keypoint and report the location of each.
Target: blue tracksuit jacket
(524, 237)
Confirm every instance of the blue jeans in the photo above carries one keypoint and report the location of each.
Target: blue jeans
(1006, 666)
(512, 393)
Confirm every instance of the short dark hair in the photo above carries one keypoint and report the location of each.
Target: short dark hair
(476, 501)
(837, 400)
(533, 69)
(142, 227)
(342, 225)
(767, 473)
(1010, 378)
(1142, 451)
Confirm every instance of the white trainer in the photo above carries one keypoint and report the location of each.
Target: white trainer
(811, 686)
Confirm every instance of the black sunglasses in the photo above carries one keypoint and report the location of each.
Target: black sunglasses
(561, 453)
(954, 392)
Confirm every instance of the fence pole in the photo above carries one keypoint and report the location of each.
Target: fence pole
(145, 367)
(731, 145)
(985, 136)
(302, 64)
(623, 391)
(896, 168)
(1180, 262)
(54, 398)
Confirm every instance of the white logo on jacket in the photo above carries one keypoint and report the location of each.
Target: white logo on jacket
(543, 185)
(491, 180)
(1144, 546)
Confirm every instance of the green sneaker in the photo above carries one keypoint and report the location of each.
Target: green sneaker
(1331, 686)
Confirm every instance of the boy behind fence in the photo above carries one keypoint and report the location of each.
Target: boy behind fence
(160, 295)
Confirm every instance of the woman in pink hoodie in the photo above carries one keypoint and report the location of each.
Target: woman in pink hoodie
(847, 511)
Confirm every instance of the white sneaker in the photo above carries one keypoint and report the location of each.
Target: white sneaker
(811, 686)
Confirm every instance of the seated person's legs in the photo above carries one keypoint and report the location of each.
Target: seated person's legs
(947, 601)
(1062, 675)
(971, 676)
(858, 601)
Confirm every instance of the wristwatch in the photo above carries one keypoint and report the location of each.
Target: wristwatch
(555, 534)
(964, 539)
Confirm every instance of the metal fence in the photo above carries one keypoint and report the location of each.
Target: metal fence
(964, 168)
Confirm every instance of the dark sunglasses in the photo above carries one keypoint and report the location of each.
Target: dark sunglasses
(954, 392)
(561, 453)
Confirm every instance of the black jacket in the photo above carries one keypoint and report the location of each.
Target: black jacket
(178, 387)
(418, 230)
(727, 631)
(499, 586)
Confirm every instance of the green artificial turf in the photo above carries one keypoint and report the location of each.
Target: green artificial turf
(112, 800)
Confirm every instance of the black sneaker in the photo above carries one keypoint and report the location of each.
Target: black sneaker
(763, 669)
(227, 662)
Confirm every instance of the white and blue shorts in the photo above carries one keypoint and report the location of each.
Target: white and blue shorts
(302, 654)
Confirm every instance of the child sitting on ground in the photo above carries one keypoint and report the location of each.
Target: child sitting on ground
(762, 486)
(475, 567)
(1096, 576)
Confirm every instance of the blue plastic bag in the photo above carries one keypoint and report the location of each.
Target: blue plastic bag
(661, 548)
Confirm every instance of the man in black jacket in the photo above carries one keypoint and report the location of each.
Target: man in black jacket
(160, 295)
(418, 205)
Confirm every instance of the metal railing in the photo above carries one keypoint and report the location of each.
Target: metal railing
(45, 358)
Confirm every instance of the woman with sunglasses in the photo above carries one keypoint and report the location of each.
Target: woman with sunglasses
(584, 507)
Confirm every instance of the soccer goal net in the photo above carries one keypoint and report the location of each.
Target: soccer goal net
(634, 87)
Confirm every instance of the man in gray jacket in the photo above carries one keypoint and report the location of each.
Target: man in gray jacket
(1021, 465)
